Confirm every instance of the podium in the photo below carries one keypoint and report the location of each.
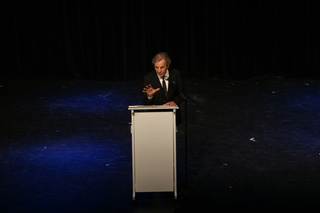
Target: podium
(153, 131)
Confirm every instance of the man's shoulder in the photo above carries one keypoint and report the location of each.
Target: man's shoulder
(174, 73)
(150, 77)
(174, 70)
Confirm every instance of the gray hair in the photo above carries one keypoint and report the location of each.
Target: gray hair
(161, 55)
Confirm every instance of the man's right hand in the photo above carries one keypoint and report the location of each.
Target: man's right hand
(149, 90)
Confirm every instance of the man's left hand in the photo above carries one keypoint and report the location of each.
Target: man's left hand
(171, 103)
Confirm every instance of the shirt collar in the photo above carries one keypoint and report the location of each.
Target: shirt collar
(166, 76)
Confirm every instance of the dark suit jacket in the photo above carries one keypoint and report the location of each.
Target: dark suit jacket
(175, 91)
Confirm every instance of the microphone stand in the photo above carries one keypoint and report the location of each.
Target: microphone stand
(181, 207)
(186, 97)
(186, 136)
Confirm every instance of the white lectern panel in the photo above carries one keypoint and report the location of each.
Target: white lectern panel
(153, 130)
(154, 151)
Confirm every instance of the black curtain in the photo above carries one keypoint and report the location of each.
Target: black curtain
(115, 40)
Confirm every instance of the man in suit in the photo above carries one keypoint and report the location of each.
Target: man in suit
(163, 86)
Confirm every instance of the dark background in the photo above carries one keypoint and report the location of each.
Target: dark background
(249, 138)
(115, 40)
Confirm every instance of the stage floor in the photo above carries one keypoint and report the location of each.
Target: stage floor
(252, 145)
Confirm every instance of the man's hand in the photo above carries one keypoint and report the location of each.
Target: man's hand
(171, 103)
(149, 90)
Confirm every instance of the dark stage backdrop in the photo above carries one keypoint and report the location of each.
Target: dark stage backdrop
(115, 40)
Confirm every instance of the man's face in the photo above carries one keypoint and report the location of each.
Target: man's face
(161, 67)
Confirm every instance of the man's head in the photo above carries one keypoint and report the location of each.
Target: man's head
(161, 63)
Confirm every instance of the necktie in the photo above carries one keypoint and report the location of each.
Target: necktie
(164, 86)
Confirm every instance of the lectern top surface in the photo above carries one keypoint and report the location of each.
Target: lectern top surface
(155, 107)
